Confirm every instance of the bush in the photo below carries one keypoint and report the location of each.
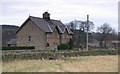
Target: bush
(66, 46)
(17, 47)
(63, 47)
(10, 55)
(24, 55)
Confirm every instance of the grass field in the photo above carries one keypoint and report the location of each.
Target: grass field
(73, 64)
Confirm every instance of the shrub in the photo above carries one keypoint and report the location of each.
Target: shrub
(66, 46)
(63, 47)
(26, 54)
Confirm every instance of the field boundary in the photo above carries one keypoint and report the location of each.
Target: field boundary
(10, 55)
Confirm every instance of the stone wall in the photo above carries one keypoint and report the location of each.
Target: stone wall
(31, 35)
(37, 36)
(54, 40)
(66, 37)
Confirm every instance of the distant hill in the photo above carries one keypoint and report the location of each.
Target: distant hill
(8, 33)
(9, 27)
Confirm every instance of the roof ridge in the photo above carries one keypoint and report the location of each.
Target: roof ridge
(45, 25)
(43, 18)
(35, 17)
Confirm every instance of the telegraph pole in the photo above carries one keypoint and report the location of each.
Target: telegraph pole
(87, 32)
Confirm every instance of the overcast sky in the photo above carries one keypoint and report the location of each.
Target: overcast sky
(15, 12)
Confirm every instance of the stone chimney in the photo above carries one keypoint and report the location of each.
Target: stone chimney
(46, 15)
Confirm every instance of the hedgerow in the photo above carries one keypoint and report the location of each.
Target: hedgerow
(10, 55)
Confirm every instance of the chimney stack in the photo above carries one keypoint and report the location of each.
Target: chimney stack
(46, 15)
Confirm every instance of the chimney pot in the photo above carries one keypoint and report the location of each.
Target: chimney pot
(46, 15)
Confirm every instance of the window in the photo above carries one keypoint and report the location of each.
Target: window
(29, 38)
(47, 44)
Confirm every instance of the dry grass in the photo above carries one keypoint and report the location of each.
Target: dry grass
(0, 67)
(0, 62)
(73, 64)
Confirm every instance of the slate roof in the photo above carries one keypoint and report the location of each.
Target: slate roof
(48, 25)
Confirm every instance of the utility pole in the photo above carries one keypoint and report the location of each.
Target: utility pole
(87, 32)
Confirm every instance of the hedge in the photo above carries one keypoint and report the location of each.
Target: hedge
(63, 47)
(66, 46)
(17, 47)
(30, 55)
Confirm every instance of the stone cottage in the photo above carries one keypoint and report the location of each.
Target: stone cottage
(43, 33)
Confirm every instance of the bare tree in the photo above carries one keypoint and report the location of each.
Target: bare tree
(81, 25)
(80, 28)
(87, 26)
(118, 35)
(105, 32)
(73, 25)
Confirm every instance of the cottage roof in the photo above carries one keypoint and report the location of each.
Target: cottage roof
(48, 25)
